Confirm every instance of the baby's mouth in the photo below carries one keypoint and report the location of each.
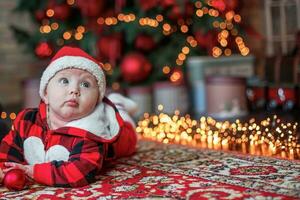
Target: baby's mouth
(72, 103)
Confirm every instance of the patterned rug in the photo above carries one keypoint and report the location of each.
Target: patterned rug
(160, 171)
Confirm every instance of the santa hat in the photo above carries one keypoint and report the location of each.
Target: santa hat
(72, 57)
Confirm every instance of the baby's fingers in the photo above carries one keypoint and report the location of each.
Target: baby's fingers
(12, 165)
(7, 169)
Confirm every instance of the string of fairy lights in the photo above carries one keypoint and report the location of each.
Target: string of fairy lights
(226, 28)
(267, 137)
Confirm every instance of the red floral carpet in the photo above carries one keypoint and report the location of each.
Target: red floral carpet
(161, 171)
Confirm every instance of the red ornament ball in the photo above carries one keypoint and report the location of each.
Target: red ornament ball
(219, 4)
(175, 13)
(226, 5)
(232, 4)
(144, 42)
(61, 11)
(90, 8)
(43, 50)
(167, 3)
(14, 179)
(110, 47)
(135, 67)
(40, 15)
(147, 5)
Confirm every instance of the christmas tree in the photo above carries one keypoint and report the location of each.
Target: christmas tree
(139, 42)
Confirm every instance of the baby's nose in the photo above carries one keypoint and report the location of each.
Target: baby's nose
(75, 91)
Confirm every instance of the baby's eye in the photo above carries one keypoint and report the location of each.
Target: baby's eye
(85, 84)
(64, 81)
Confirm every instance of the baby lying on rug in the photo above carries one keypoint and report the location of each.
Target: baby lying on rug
(76, 128)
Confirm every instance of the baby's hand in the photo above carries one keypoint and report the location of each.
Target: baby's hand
(28, 169)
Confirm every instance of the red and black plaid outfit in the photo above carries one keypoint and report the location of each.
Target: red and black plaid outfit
(87, 151)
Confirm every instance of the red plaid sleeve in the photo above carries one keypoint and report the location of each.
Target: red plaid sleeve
(85, 162)
(126, 143)
(11, 147)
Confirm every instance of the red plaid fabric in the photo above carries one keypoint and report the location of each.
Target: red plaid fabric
(87, 151)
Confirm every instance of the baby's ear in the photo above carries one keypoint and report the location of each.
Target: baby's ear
(99, 100)
(45, 98)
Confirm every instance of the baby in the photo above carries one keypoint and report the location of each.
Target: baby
(65, 141)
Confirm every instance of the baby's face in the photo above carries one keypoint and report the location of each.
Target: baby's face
(72, 94)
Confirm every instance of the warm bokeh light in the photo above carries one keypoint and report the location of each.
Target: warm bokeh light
(70, 2)
(216, 24)
(3, 115)
(184, 28)
(108, 21)
(199, 13)
(185, 50)
(166, 27)
(80, 29)
(179, 62)
(205, 10)
(181, 56)
(267, 137)
(50, 13)
(46, 29)
(227, 52)
(216, 52)
(78, 36)
(100, 20)
(229, 15)
(166, 69)
(159, 18)
(12, 116)
(237, 18)
(67, 35)
(198, 4)
(54, 26)
(115, 86)
(107, 66)
(222, 25)
(176, 76)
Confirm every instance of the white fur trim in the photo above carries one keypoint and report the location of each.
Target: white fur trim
(126, 117)
(34, 152)
(101, 122)
(57, 152)
(126, 107)
(123, 103)
(110, 113)
(77, 62)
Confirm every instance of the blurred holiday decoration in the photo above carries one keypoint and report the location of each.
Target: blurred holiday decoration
(43, 50)
(142, 95)
(256, 96)
(281, 97)
(135, 67)
(169, 97)
(226, 96)
(200, 67)
(134, 38)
